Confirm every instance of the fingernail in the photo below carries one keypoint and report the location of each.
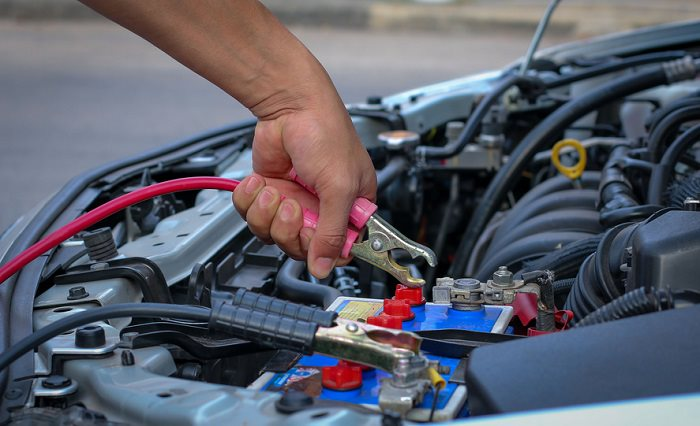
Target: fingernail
(286, 211)
(323, 266)
(265, 198)
(253, 184)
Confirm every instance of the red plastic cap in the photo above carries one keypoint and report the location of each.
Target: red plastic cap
(398, 308)
(342, 377)
(414, 295)
(356, 364)
(385, 321)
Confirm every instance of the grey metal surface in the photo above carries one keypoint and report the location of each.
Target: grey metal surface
(193, 235)
(144, 394)
(100, 293)
(64, 344)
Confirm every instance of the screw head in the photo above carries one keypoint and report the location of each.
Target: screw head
(76, 293)
(351, 327)
(467, 283)
(13, 394)
(377, 245)
(56, 382)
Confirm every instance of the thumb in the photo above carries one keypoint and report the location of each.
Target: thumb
(329, 238)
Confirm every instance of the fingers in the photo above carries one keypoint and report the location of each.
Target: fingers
(285, 229)
(245, 193)
(270, 218)
(330, 234)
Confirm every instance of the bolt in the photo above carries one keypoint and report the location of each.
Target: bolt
(14, 393)
(127, 358)
(503, 277)
(75, 293)
(377, 245)
(691, 204)
(351, 327)
(56, 382)
(467, 283)
(90, 336)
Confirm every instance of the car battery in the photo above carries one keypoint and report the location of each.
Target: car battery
(363, 387)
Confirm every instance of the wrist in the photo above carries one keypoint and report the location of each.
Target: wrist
(283, 90)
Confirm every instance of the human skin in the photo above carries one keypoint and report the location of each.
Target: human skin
(302, 123)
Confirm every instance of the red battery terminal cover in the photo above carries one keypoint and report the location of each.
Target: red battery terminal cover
(386, 321)
(414, 295)
(398, 308)
(343, 377)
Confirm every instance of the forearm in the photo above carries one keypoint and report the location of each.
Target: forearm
(236, 44)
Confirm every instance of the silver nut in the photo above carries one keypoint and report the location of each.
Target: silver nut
(503, 277)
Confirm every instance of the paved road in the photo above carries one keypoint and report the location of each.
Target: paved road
(76, 95)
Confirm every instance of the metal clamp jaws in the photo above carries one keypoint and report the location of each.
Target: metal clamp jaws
(381, 239)
(378, 347)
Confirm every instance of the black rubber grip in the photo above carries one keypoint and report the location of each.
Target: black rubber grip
(272, 305)
(264, 328)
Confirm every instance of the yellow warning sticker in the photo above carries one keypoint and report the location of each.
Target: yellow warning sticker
(360, 310)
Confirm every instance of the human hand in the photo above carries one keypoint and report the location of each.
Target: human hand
(320, 143)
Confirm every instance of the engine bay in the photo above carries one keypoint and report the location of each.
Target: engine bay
(562, 205)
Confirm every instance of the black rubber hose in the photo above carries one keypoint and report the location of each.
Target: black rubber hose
(569, 199)
(628, 214)
(600, 279)
(476, 117)
(679, 191)
(658, 115)
(583, 297)
(661, 175)
(615, 191)
(567, 220)
(636, 302)
(393, 169)
(544, 135)
(483, 244)
(589, 180)
(611, 66)
(561, 289)
(441, 238)
(122, 310)
(290, 287)
(527, 249)
(668, 128)
(565, 262)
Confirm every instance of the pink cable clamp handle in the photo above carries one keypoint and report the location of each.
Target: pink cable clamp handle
(362, 209)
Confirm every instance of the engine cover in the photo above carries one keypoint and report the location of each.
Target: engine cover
(665, 252)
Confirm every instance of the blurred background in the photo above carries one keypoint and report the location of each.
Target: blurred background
(77, 91)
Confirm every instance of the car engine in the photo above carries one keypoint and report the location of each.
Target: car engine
(562, 202)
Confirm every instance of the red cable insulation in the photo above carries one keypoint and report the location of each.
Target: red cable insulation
(92, 217)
